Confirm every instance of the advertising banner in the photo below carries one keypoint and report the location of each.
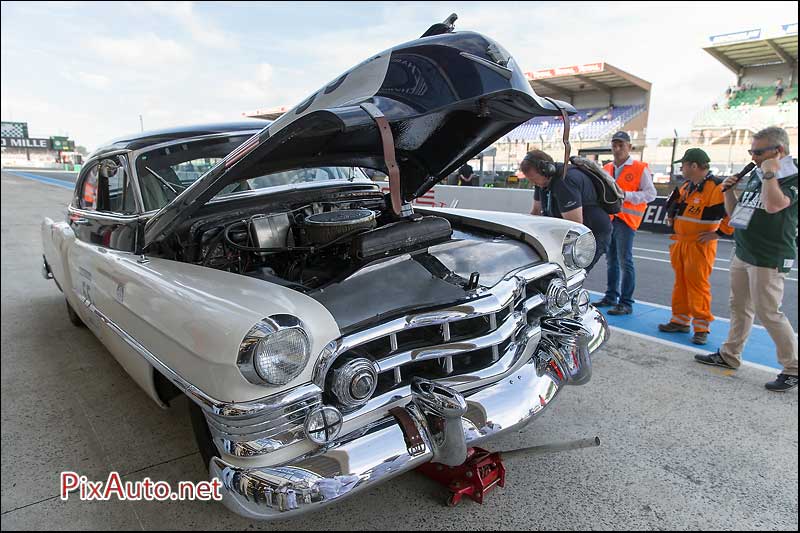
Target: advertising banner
(739, 36)
(36, 144)
(572, 70)
(655, 218)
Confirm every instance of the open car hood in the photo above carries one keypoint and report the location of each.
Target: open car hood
(446, 97)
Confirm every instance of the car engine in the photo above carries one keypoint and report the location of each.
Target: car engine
(317, 244)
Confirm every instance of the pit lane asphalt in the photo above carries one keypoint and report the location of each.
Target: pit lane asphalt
(684, 446)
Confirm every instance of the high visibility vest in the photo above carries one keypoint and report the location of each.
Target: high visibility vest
(629, 179)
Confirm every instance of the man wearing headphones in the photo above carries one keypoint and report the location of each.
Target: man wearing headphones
(572, 198)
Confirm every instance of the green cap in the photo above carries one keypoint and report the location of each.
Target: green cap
(694, 155)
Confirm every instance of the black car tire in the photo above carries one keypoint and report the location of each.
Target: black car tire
(202, 434)
(73, 316)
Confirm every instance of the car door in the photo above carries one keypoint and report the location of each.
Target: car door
(104, 217)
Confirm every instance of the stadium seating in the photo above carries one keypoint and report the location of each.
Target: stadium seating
(760, 96)
(756, 96)
(748, 117)
(752, 109)
(587, 124)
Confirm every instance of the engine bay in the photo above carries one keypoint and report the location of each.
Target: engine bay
(310, 246)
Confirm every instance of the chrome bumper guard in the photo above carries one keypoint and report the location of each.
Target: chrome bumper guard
(46, 274)
(379, 452)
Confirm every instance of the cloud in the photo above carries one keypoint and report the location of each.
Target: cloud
(93, 81)
(201, 30)
(254, 87)
(143, 51)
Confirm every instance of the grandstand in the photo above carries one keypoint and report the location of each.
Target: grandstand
(758, 58)
(608, 99)
(270, 113)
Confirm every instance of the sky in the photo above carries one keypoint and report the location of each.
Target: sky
(90, 69)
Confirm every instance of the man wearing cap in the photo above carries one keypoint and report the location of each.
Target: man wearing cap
(696, 211)
(765, 219)
(635, 180)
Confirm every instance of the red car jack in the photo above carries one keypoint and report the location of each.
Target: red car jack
(479, 474)
(484, 470)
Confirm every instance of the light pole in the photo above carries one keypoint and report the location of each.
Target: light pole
(730, 153)
(141, 122)
(671, 159)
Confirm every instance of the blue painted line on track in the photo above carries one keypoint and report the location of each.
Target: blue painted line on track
(646, 317)
(42, 179)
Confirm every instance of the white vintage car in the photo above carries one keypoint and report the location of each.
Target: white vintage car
(328, 335)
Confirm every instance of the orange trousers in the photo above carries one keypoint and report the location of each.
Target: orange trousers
(692, 262)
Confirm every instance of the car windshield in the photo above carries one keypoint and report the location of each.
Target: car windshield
(165, 172)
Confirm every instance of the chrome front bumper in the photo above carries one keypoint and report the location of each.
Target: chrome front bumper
(379, 452)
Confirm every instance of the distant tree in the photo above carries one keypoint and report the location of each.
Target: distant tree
(82, 150)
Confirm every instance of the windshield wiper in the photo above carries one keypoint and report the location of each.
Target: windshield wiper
(165, 182)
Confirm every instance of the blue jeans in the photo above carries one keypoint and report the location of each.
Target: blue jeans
(620, 250)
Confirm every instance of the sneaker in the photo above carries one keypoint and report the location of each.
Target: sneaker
(783, 383)
(700, 337)
(713, 359)
(673, 327)
(605, 302)
(620, 309)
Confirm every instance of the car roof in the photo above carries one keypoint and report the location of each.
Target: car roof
(149, 138)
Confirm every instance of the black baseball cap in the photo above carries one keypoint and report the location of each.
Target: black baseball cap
(621, 136)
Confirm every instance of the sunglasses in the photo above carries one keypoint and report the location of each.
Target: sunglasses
(762, 151)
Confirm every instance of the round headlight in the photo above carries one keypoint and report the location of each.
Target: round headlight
(275, 351)
(584, 250)
(281, 356)
(579, 249)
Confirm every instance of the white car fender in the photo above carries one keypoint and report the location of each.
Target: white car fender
(193, 319)
(545, 234)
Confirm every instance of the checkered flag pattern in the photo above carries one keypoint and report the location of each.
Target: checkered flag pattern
(17, 130)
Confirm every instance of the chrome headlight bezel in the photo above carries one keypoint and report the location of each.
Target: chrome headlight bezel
(355, 372)
(259, 335)
(579, 248)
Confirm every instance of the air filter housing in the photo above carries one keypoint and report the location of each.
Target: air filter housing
(322, 228)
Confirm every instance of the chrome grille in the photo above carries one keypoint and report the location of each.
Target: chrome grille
(453, 343)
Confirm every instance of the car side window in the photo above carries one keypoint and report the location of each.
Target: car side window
(119, 189)
(107, 187)
(87, 195)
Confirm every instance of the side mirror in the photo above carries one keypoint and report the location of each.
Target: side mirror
(107, 168)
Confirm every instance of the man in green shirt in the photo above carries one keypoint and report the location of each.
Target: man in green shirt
(765, 222)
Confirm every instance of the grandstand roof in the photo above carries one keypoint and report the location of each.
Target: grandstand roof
(270, 113)
(590, 77)
(756, 47)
